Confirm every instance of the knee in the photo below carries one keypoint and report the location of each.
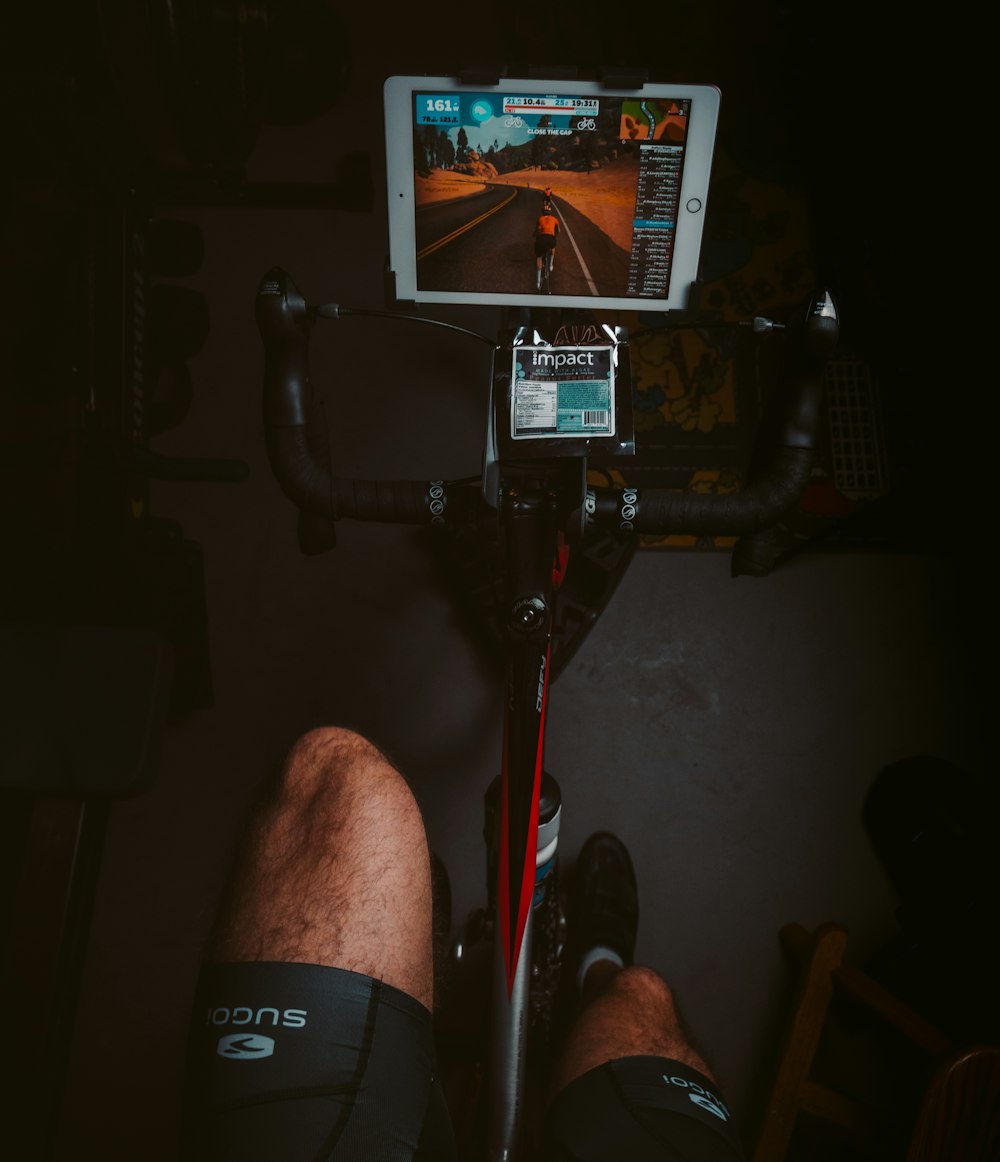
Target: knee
(335, 769)
(646, 987)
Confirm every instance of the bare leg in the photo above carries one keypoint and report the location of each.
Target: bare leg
(335, 870)
(626, 1012)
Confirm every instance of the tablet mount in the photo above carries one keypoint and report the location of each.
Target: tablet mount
(489, 74)
(611, 76)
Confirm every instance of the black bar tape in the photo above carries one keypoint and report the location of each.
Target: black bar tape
(403, 501)
(667, 512)
(312, 489)
(302, 480)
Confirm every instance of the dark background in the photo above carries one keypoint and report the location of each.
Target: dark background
(729, 730)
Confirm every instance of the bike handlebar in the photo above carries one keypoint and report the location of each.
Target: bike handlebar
(298, 443)
(296, 435)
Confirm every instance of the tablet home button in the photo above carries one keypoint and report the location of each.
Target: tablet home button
(694, 205)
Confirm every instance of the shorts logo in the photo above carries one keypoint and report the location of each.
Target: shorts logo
(700, 1096)
(707, 1103)
(245, 1046)
(244, 1015)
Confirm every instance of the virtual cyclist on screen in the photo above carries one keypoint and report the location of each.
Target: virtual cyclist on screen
(546, 232)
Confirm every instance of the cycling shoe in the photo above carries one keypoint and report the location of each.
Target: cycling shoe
(603, 908)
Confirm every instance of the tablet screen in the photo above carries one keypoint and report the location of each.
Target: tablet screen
(484, 183)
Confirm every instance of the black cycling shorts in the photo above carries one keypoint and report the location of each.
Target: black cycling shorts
(543, 244)
(298, 1061)
(645, 1109)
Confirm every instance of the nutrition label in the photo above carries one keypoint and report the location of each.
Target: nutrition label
(562, 391)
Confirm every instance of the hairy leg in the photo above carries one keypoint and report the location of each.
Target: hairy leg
(334, 869)
(626, 1012)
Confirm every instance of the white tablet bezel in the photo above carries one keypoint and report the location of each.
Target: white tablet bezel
(693, 201)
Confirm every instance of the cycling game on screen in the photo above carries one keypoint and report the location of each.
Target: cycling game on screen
(500, 180)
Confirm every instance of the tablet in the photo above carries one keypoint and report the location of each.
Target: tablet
(472, 171)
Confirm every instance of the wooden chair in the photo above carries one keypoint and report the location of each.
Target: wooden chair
(943, 1107)
(959, 1119)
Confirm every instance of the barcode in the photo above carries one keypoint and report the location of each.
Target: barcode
(595, 419)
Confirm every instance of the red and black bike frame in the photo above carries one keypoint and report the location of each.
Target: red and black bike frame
(536, 556)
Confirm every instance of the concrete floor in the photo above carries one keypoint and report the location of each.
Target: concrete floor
(727, 730)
